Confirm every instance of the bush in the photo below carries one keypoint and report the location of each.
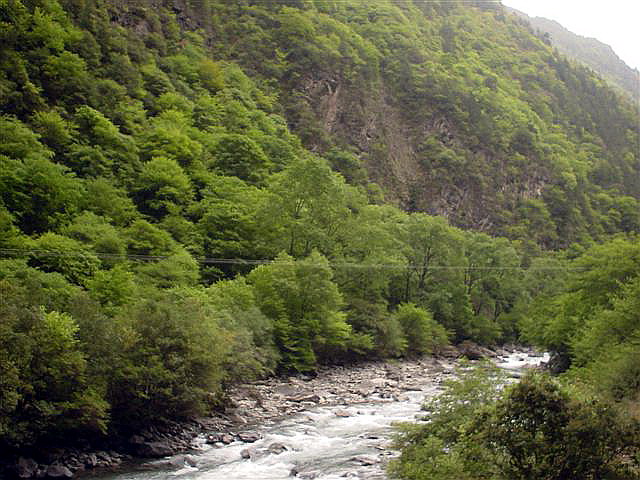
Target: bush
(539, 431)
(532, 430)
(171, 350)
(446, 447)
(423, 333)
(45, 394)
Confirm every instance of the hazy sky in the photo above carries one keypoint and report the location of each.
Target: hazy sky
(614, 22)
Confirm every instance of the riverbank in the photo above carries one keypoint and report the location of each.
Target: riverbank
(254, 406)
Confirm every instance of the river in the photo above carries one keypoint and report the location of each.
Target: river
(323, 443)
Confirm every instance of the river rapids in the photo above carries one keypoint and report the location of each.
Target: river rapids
(322, 443)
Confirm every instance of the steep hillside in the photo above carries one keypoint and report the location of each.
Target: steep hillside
(455, 110)
(589, 51)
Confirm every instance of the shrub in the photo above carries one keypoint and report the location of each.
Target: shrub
(532, 430)
(423, 333)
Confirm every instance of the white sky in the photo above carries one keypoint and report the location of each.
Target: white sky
(614, 22)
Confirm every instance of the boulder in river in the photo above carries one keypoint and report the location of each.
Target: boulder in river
(303, 397)
(154, 449)
(343, 413)
(58, 471)
(277, 448)
(249, 437)
(449, 351)
(365, 460)
(475, 352)
(26, 467)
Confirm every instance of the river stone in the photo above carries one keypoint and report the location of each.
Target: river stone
(91, 460)
(213, 438)
(26, 467)
(277, 448)
(308, 475)
(155, 450)
(303, 397)
(249, 437)
(59, 471)
(136, 440)
(449, 352)
(411, 387)
(245, 454)
(342, 413)
(472, 351)
(365, 460)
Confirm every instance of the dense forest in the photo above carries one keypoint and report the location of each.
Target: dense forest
(591, 52)
(194, 194)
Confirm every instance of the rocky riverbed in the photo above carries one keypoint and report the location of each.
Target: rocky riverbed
(254, 407)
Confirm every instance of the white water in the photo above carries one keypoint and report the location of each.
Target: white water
(319, 443)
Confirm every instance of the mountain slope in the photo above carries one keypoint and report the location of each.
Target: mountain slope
(454, 109)
(589, 51)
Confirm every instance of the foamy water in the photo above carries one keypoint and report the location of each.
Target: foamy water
(319, 444)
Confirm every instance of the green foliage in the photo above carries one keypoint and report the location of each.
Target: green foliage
(45, 394)
(169, 359)
(303, 302)
(446, 445)
(95, 232)
(538, 431)
(240, 156)
(162, 187)
(594, 310)
(423, 334)
(38, 192)
(253, 352)
(57, 253)
(105, 199)
(310, 207)
(534, 429)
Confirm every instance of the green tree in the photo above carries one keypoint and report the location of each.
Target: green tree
(57, 253)
(162, 187)
(37, 192)
(47, 395)
(103, 238)
(309, 209)
(304, 304)
(240, 156)
(423, 334)
(170, 363)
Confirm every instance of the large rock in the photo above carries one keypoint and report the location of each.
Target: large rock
(155, 449)
(303, 396)
(58, 471)
(365, 460)
(449, 351)
(343, 413)
(249, 437)
(26, 467)
(277, 448)
(473, 351)
(214, 438)
(558, 363)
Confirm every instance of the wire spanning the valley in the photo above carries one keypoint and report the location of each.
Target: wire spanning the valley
(15, 252)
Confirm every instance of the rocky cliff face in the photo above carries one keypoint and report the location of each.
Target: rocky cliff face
(453, 110)
(469, 191)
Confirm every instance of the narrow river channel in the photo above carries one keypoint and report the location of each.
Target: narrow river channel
(323, 443)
